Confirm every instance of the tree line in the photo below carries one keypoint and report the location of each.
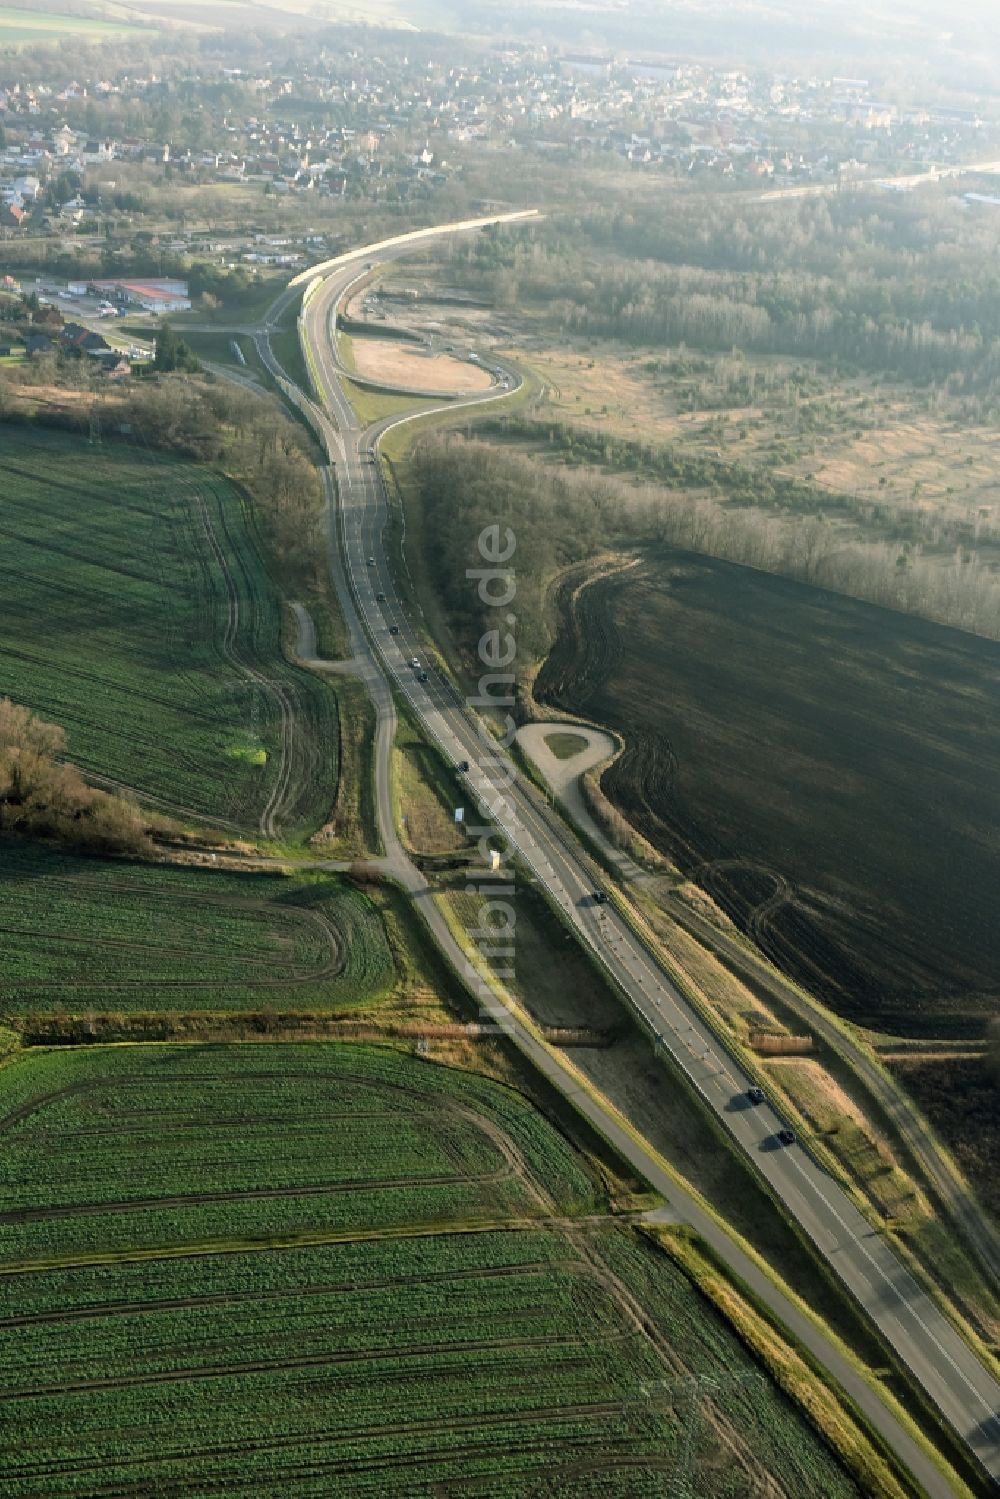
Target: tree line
(43, 796)
(561, 516)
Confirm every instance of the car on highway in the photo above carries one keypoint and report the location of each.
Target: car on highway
(755, 1095)
(371, 561)
(393, 629)
(786, 1136)
(421, 676)
(463, 766)
(599, 897)
(414, 663)
(380, 597)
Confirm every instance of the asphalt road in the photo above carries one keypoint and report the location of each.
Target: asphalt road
(956, 1381)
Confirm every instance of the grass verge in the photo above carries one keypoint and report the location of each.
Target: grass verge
(372, 405)
(425, 796)
(353, 828)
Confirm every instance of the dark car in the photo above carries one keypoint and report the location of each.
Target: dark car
(421, 676)
(786, 1137)
(393, 629)
(463, 766)
(380, 597)
(755, 1095)
(600, 899)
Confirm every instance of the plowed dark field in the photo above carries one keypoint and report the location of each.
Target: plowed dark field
(829, 771)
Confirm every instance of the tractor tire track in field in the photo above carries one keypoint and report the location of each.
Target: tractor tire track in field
(98, 1311)
(331, 937)
(759, 916)
(281, 794)
(141, 694)
(347, 1467)
(634, 1314)
(432, 1101)
(432, 1106)
(305, 764)
(175, 808)
(328, 1359)
(12, 1216)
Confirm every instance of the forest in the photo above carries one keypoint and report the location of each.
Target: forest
(905, 284)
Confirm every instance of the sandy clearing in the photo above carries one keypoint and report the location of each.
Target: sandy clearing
(398, 362)
(562, 775)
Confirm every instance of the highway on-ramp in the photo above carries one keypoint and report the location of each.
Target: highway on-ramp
(954, 1378)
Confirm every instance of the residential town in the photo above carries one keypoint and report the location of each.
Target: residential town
(390, 127)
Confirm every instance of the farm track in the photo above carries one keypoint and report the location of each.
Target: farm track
(294, 1239)
(430, 1105)
(758, 917)
(303, 1120)
(515, 1165)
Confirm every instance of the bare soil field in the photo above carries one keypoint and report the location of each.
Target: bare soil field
(826, 770)
(398, 362)
(961, 1097)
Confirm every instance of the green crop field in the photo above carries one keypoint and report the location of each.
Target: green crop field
(341, 1269)
(136, 612)
(80, 934)
(20, 25)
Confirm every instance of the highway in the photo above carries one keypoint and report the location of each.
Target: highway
(903, 183)
(953, 1377)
